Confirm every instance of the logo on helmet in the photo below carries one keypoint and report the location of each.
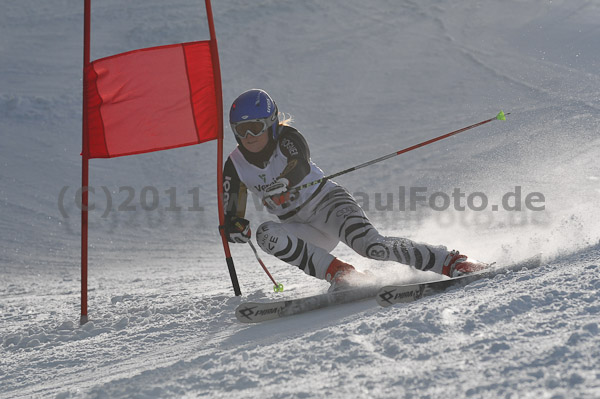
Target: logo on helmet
(269, 102)
(269, 106)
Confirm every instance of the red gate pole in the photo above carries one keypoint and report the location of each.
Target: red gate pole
(219, 96)
(85, 168)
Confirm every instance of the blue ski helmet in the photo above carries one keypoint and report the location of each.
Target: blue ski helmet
(256, 106)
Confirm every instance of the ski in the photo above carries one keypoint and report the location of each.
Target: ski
(255, 312)
(393, 294)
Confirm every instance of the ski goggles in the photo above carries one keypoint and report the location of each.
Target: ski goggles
(254, 127)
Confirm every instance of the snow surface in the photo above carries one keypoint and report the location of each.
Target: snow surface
(362, 79)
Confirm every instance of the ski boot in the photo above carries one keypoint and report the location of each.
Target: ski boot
(456, 265)
(341, 275)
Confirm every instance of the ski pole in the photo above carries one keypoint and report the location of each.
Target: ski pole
(501, 117)
(276, 287)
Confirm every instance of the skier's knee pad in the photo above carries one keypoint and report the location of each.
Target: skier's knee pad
(371, 245)
(269, 235)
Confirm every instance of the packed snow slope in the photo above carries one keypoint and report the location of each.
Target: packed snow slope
(362, 79)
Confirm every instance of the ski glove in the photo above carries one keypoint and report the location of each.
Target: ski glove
(277, 194)
(238, 230)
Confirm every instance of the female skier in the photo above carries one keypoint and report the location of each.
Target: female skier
(270, 160)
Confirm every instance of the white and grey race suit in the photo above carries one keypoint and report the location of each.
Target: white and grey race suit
(317, 217)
